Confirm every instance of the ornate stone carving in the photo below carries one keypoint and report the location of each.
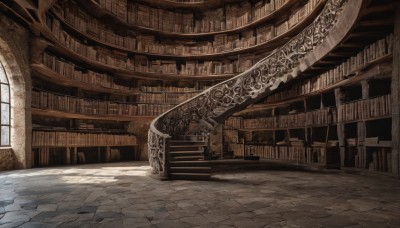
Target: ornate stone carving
(265, 76)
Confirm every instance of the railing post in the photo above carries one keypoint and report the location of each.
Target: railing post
(165, 173)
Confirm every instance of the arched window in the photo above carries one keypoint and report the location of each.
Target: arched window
(5, 108)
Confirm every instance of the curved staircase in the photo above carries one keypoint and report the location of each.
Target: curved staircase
(174, 153)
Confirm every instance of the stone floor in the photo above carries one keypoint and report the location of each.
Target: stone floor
(122, 195)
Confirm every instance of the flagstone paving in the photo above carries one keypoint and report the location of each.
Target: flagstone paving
(123, 195)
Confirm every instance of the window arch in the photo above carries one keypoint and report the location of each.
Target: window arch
(5, 127)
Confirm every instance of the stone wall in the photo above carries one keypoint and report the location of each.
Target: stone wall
(14, 55)
(6, 159)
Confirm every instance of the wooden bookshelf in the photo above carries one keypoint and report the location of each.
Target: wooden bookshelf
(190, 4)
(210, 52)
(301, 155)
(79, 106)
(65, 147)
(99, 11)
(298, 127)
(378, 54)
(352, 72)
(364, 110)
(80, 139)
(61, 114)
(84, 61)
(322, 117)
(43, 72)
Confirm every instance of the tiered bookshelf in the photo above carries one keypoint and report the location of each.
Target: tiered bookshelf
(71, 18)
(129, 61)
(340, 118)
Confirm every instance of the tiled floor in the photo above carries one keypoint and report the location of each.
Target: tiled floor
(122, 195)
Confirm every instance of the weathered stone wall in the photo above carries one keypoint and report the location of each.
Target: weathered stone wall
(6, 159)
(14, 55)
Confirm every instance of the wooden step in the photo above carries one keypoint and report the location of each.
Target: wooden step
(187, 145)
(190, 176)
(190, 169)
(191, 137)
(187, 141)
(186, 153)
(200, 163)
(187, 158)
(185, 148)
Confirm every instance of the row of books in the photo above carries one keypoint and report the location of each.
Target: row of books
(381, 160)
(360, 159)
(301, 12)
(141, 64)
(167, 89)
(73, 72)
(83, 126)
(314, 118)
(98, 54)
(45, 100)
(268, 122)
(43, 156)
(288, 153)
(365, 109)
(264, 8)
(233, 16)
(317, 155)
(189, 1)
(169, 98)
(234, 123)
(78, 19)
(115, 7)
(237, 15)
(73, 15)
(377, 141)
(72, 139)
(370, 53)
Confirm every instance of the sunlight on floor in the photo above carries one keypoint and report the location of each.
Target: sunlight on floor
(104, 175)
(86, 175)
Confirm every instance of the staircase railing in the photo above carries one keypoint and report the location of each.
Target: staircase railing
(215, 104)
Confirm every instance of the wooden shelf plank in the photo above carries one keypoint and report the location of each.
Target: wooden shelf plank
(49, 75)
(60, 114)
(33, 146)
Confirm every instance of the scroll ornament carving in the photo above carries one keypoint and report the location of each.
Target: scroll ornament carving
(226, 96)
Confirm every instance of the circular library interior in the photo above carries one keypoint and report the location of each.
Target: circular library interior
(208, 113)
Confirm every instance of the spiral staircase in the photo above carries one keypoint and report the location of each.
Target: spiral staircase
(176, 138)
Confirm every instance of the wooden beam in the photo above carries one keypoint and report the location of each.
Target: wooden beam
(329, 62)
(381, 22)
(365, 34)
(337, 55)
(340, 127)
(396, 95)
(365, 89)
(381, 9)
(351, 45)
